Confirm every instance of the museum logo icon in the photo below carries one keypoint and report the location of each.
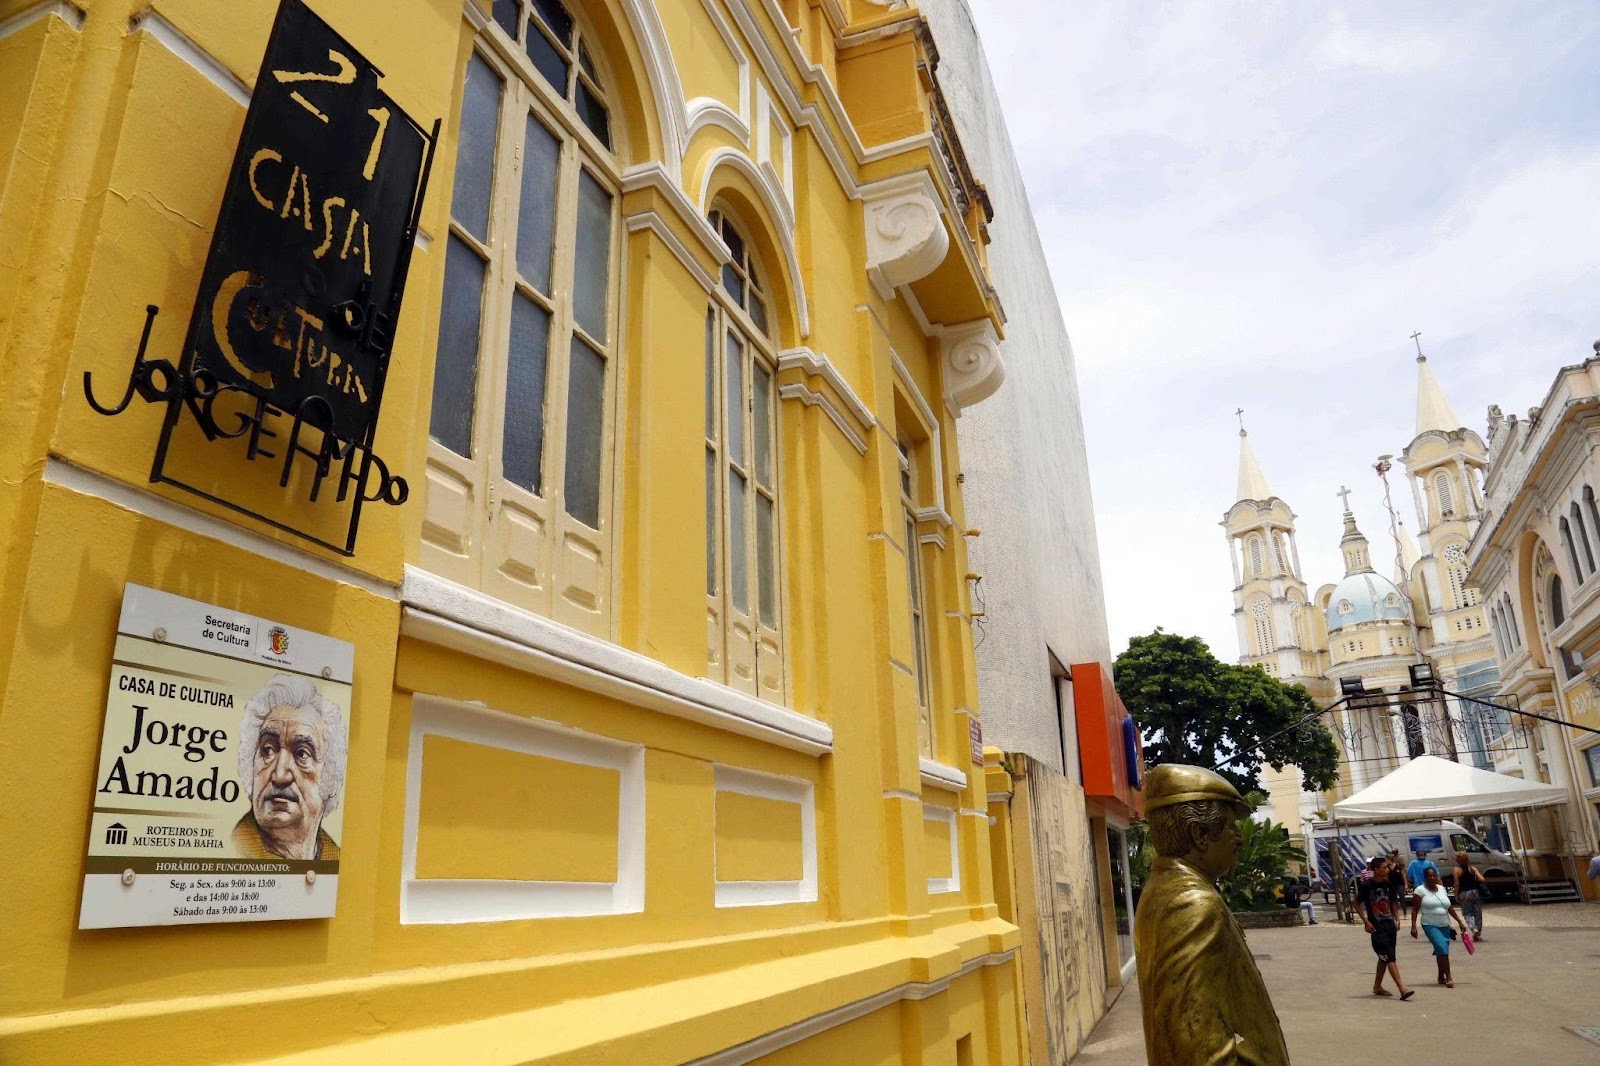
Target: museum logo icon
(116, 833)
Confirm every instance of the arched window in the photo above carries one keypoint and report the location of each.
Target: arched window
(1558, 616)
(1593, 512)
(1441, 488)
(1572, 550)
(1255, 556)
(742, 575)
(519, 467)
(1511, 621)
(1497, 620)
(1263, 627)
(1295, 624)
(1583, 535)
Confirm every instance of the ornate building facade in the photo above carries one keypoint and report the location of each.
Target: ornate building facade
(1368, 630)
(660, 729)
(1535, 556)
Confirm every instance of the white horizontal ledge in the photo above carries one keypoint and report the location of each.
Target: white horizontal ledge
(938, 775)
(453, 616)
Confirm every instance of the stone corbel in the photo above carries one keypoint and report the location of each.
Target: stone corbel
(972, 366)
(906, 235)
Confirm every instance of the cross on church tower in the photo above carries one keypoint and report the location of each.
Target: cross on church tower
(1344, 496)
(1417, 339)
(1240, 413)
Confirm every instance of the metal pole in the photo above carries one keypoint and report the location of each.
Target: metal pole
(1522, 865)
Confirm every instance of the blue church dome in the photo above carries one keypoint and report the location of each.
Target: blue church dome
(1365, 597)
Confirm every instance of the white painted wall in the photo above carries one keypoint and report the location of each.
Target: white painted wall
(1022, 450)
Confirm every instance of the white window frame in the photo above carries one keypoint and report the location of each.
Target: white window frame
(743, 649)
(481, 529)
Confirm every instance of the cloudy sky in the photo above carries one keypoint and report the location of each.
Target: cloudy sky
(1254, 205)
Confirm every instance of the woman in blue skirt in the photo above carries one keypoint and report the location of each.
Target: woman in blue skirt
(1433, 907)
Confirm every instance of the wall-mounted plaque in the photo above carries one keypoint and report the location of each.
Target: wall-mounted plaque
(221, 779)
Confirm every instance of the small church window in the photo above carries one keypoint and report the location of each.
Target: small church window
(1255, 556)
(1583, 535)
(1346, 607)
(1391, 601)
(1572, 551)
(1441, 485)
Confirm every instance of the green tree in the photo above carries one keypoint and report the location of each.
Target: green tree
(1257, 875)
(1194, 709)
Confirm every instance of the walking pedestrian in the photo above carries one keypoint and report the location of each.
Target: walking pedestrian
(1397, 883)
(1377, 918)
(1436, 912)
(1418, 867)
(1594, 866)
(1469, 888)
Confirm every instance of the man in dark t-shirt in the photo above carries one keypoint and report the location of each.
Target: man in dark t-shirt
(1378, 903)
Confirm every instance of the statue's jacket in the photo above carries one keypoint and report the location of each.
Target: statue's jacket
(1205, 1003)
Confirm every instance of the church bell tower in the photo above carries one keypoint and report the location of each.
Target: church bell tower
(1270, 607)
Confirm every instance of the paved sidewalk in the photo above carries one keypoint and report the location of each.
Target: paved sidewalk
(1538, 971)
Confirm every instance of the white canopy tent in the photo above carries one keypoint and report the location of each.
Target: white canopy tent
(1431, 787)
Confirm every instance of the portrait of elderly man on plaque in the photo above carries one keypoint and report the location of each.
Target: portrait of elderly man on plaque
(291, 763)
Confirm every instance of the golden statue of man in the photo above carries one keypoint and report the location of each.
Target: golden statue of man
(1204, 1001)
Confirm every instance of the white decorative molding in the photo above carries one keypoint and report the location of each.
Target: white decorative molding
(938, 775)
(654, 176)
(731, 40)
(789, 1035)
(906, 234)
(785, 790)
(425, 901)
(708, 111)
(930, 424)
(649, 220)
(818, 364)
(179, 44)
(144, 502)
(774, 156)
(665, 86)
(973, 369)
(855, 420)
(68, 13)
(453, 616)
(776, 204)
(941, 885)
(797, 391)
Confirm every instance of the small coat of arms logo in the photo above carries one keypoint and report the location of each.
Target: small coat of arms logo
(278, 640)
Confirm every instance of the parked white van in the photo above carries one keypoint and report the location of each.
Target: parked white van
(1441, 838)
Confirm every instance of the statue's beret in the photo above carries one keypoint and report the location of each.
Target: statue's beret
(1172, 783)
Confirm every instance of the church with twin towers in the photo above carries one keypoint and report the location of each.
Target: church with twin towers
(1370, 626)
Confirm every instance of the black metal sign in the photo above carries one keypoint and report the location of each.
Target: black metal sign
(289, 342)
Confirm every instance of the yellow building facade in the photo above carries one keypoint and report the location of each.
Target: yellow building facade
(660, 743)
